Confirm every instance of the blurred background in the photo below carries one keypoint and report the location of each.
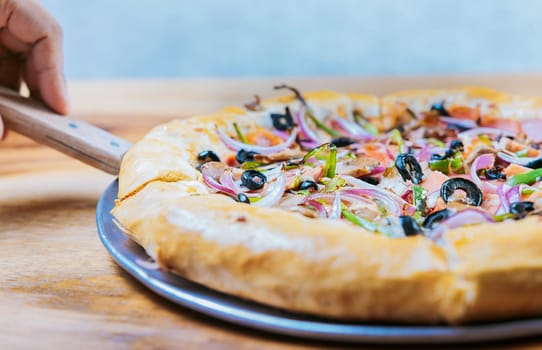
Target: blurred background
(204, 38)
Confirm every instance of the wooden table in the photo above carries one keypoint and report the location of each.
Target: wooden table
(58, 286)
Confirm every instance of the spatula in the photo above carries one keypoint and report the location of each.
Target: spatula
(76, 138)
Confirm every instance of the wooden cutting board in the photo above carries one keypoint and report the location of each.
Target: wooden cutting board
(58, 286)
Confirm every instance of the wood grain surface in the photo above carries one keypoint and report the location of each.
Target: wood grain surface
(58, 286)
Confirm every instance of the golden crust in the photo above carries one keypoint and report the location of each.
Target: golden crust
(500, 104)
(289, 261)
(504, 263)
(168, 152)
(331, 269)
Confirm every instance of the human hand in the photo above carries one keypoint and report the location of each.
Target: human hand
(31, 51)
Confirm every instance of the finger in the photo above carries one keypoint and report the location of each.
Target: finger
(12, 43)
(10, 71)
(29, 24)
(1, 129)
(10, 68)
(45, 79)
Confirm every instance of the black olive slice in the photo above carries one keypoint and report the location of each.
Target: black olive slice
(534, 164)
(409, 168)
(208, 156)
(253, 179)
(284, 121)
(370, 179)
(474, 194)
(245, 156)
(410, 226)
(242, 198)
(455, 145)
(342, 141)
(307, 185)
(494, 174)
(521, 209)
(439, 108)
(436, 156)
(293, 163)
(432, 220)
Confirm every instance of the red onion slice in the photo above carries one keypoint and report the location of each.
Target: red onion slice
(504, 206)
(354, 130)
(284, 135)
(316, 205)
(226, 179)
(329, 197)
(481, 162)
(377, 170)
(514, 194)
(309, 137)
(462, 218)
(428, 150)
(511, 158)
(405, 194)
(215, 185)
(274, 193)
(390, 205)
(425, 153)
(364, 185)
(335, 211)
(237, 145)
(485, 130)
(390, 154)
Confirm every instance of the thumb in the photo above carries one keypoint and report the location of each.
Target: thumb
(1, 129)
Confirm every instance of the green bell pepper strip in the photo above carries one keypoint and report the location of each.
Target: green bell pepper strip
(442, 165)
(305, 193)
(322, 126)
(333, 184)
(503, 217)
(251, 165)
(356, 220)
(448, 165)
(527, 191)
(526, 178)
(436, 142)
(457, 163)
(370, 128)
(331, 162)
(240, 135)
(330, 159)
(418, 216)
(418, 198)
(315, 151)
(397, 138)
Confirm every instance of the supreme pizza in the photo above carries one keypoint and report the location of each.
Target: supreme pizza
(419, 206)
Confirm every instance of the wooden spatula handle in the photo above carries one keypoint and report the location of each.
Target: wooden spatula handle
(75, 138)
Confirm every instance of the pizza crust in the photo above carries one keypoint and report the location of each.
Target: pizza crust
(504, 261)
(289, 261)
(315, 266)
(489, 101)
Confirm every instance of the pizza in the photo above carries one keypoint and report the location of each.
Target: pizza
(416, 207)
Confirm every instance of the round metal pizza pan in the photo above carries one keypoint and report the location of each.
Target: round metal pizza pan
(134, 260)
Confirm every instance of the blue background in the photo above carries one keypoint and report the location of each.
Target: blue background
(173, 38)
